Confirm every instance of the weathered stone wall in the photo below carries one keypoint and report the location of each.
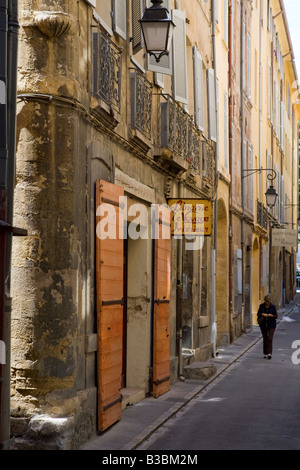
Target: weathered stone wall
(50, 267)
(66, 141)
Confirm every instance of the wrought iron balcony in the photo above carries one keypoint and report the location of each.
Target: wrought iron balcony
(208, 161)
(262, 215)
(182, 138)
(194, 146)
(106, 70)
(174, 127)
(141, 103)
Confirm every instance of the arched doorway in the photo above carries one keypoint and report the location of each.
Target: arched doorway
(222, 312)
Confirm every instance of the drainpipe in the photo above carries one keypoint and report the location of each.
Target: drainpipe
(242, 162)
(213, 334)
(8, 94)
(259, 150)
(12, 63)
(272, 153)
(179, 294)
(231, 169)
(4, 377)
(293, 176)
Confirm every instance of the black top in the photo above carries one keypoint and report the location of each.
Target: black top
(270, 321)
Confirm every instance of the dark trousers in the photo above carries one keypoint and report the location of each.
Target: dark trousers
(267, 334)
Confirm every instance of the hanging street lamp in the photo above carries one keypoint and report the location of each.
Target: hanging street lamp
(271, 196)
(157, 28)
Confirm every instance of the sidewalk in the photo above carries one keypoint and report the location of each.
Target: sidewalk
(140, 420)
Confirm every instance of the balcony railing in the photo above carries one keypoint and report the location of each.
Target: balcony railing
(208, 161)
(182, 137)
(106, 70)
(141, 103)
(174, 127)
(262, 215)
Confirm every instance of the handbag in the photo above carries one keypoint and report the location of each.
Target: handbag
(261, 320)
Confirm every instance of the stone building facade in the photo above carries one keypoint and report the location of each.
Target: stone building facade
(96, 122)
(105, 313)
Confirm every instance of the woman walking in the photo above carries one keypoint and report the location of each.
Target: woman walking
(266, 318)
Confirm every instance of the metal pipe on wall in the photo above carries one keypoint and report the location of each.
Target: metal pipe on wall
(12, 64)
(179, 293)
(213, 334)
(231, 168)
(8, 82)
(4, 376)
(242, 161)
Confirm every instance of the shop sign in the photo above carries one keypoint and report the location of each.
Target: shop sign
(190, 217)
(284, 237)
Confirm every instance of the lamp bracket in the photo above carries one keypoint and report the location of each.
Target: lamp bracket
(271, 175)
(158, 56)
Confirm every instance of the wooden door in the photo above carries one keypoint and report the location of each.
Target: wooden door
(161, 327)
(109, 282)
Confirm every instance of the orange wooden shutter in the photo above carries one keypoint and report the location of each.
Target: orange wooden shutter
(161, 330)
(109, 278)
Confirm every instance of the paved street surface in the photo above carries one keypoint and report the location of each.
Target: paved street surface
(251, 402)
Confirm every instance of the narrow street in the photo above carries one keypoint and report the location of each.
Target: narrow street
(255, 405)
(250, 403)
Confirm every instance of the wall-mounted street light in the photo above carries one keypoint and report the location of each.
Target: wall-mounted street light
(157, 28)
(271, 194)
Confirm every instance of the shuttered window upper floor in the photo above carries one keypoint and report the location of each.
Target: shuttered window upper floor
(123, 73)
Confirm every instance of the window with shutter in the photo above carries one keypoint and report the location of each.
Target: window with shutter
(164, 66)
(250, 183)
(269, 91)
(248, 65)
(179, 58)
(282, 199)
(226, 159)
(198, 89)
(288, 99)
(212, 123)
(119, 17)
(137, 13)
(282, 124)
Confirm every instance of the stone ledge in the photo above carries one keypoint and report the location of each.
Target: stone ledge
(131, 396)
(199, 370)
